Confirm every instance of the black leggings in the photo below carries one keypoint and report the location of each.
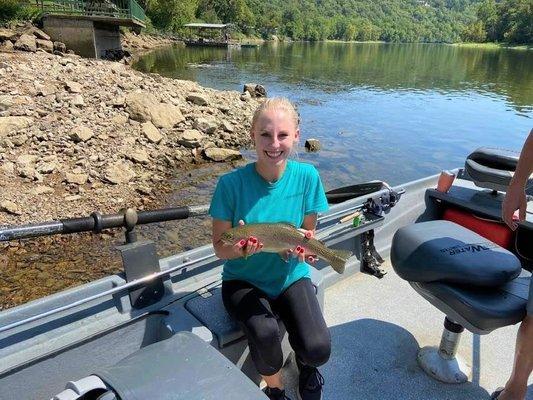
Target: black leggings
(299, 310)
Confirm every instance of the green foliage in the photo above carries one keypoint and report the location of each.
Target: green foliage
(475, 32)
(17, 10)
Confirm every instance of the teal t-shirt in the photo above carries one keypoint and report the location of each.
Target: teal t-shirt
(244, 194)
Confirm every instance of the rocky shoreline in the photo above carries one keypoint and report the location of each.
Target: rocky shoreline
(82, 135)
(79, 135)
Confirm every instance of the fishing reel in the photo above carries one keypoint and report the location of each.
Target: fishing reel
(383, 203)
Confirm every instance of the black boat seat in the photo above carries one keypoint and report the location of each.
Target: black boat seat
(472, 280)
(443, 251)
(492, 168)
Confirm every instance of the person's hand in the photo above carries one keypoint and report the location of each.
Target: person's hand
(247, 246)
(515, 199)
(299, 251)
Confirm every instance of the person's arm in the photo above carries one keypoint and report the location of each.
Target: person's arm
(515, 198)
(244, 247)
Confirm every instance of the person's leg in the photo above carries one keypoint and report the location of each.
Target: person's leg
(308, 334)
(516, 386)
(251, 308)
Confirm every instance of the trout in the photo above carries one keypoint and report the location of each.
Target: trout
(281, 237)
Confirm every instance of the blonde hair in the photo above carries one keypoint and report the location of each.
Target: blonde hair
(276, 103)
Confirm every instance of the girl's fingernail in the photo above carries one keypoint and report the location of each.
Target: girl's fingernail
(254, 240)
(242, 242)
(298, 248)
(301, 251)
(260, 245)
(308, 234)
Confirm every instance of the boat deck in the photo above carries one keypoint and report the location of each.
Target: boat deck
(377, 326)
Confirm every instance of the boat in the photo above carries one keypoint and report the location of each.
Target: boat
(159, 330)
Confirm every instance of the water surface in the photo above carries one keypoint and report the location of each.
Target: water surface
(395, 112)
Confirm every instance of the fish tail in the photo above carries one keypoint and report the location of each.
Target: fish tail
(339, 260)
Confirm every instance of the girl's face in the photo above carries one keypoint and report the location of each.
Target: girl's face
(274, 134)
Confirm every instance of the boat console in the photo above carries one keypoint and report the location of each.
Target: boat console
(476, 283)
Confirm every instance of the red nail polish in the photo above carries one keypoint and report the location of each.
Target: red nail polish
(301, 250)
(310, 259)
(298, 248)
(254, 240)
(308, 234)
(242, 242)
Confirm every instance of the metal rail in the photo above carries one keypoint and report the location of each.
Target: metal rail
(118, 289)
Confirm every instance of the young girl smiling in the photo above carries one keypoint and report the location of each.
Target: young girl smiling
(262, 286)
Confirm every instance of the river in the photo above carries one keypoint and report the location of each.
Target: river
(395, 112)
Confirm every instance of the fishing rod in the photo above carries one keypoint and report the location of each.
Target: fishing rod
(129, 218)
(96, 222)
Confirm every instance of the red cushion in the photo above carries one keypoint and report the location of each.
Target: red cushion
(495, 231)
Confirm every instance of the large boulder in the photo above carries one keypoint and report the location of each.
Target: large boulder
(7, 34)
(26, 43)
(218, 154)
(144, 107)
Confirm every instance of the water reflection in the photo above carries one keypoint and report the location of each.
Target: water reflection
(382, 111)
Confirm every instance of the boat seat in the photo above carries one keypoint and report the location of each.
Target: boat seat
(181, 367)
(477, 284)
(492, 168)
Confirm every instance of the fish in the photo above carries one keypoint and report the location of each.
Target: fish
(278, 237)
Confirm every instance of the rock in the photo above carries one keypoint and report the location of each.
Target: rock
(46, 45)
(225, 125)
(81, 133)
(119, 172)
(26, 43)
(42, 190)
(77, 101)
(46, 167)
(73, 197)
(5, 102)
(26, 160)
(7, 46)
(19, 139)
(60, 47)
(246, 96)
(144, 107)
(7, 34)
(191, 138)
(39, 34)
(46, 90)
(151, 132)
(13, 124)
(255, 90)
(197, 99)
(73, 87)
(207, 125)
(139, 156)
(8, 168)
(79, 179)
(312, 145)
(218, 154)
(10, 207)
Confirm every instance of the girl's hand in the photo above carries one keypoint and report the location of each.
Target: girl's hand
(247, 246)
(299, 251)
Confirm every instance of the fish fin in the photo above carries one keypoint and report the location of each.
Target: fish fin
(341, 256)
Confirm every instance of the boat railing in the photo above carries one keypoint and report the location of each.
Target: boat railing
(140, 262)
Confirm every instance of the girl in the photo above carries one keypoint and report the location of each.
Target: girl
(262, 285)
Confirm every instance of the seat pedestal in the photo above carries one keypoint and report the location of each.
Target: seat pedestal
(442, 362)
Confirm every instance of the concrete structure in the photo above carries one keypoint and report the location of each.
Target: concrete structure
(87, 38)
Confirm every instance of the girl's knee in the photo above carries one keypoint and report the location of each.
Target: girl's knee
(316, 354)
